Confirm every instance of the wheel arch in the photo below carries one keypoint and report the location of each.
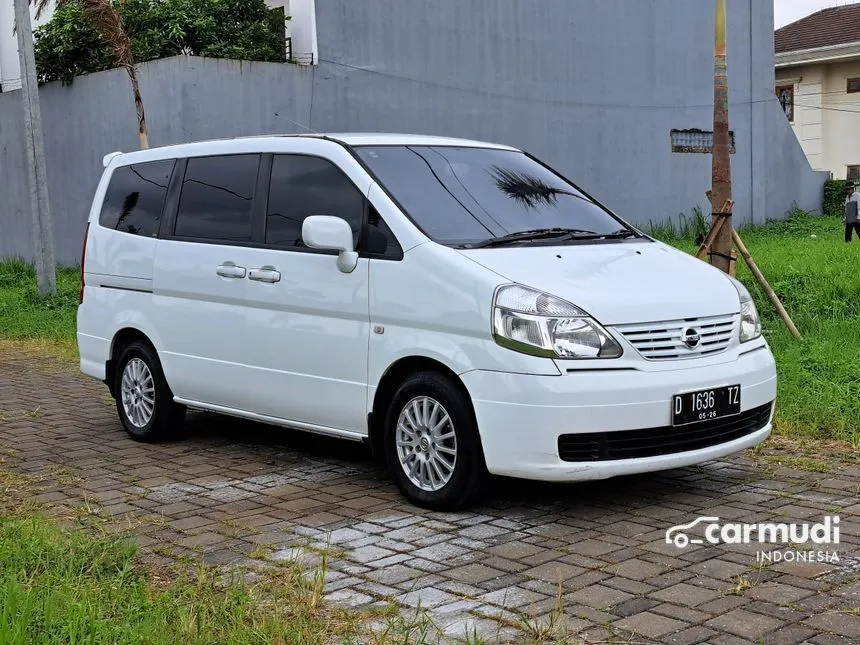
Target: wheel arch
(391, 379)
(122, 339)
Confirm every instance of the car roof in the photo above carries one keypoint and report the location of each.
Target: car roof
(349, 139)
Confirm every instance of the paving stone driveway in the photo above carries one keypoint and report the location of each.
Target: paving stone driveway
(233, 488)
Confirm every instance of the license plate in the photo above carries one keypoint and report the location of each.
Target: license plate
(706, 405)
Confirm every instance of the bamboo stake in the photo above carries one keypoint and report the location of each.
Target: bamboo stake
(765, 286)
(712, 235)
(715, 228)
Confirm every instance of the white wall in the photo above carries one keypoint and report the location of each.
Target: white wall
(302, 27)
(826, 117)
(10, 71)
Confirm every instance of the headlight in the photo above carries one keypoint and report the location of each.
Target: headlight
(536, 323)
(750, 322)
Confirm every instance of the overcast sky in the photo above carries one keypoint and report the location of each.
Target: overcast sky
(786, 11)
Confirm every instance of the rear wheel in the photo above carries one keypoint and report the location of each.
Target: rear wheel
(143, 398)
(432, 445)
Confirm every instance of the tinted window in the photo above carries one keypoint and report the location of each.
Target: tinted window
(462, 195)
(135, 197)
(216, 200)
(377, 238)
(305, 186)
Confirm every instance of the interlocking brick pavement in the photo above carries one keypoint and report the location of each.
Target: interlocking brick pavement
(593, 552)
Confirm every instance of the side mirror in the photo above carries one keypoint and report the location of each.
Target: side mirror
(331, 234)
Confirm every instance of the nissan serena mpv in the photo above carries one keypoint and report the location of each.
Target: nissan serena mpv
(459, 306)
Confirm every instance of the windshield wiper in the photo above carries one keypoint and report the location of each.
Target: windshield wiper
(550, 233)
(620, 234)
(527, 236)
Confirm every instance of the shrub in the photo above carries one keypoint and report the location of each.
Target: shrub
(69, 45)
(834, 198)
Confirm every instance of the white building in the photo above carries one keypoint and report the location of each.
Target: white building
(301, 28)
(301, 35)
(10, 71)
(818, 83)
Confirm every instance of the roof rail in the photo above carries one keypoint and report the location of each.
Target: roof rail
(110, 157)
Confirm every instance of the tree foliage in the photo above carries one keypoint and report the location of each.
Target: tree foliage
(70, 44)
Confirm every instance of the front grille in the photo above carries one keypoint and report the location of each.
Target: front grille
(654, 442)
(662, 341)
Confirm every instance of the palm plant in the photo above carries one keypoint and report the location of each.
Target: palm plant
(108, 22)
(526, 189)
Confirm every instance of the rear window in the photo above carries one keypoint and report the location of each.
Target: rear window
(135, 197)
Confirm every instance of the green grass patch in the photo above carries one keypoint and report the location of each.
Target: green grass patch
(66, 586)
(805, 259)
(25, 315)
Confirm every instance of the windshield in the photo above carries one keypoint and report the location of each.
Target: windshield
(461, 196)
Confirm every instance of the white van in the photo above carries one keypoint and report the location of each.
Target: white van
(459, 306)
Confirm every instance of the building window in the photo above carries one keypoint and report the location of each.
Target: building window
(278, 18)
(785, 94)
(696, 141)
(853, 85)
(853, 173)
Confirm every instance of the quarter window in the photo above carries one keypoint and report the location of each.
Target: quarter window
(302, 186)
(135, 197)
(217, 198)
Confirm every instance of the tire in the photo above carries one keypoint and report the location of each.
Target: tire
(161, 418)
(438, 478)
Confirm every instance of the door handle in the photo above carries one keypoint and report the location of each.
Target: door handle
(230, 270)
(265, 274)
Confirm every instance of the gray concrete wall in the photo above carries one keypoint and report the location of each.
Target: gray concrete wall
(592, 87)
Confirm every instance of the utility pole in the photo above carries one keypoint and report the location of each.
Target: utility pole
(41, 236)
(721, 172)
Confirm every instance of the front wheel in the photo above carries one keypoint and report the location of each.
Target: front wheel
(432, 445)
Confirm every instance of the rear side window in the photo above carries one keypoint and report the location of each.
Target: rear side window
(135, 197)
(303, 186)
(217, 197)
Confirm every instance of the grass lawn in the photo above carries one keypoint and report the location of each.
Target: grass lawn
(805, 259)
(817, 277)
(46, 322)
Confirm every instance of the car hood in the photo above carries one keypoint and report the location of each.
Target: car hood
(623, 283)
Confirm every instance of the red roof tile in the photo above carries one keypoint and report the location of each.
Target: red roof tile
(834, 26)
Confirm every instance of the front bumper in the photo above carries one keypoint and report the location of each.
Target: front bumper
(520, 417)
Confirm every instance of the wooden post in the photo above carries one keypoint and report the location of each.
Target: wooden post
(765, 286)
(733, 266)
(721, 168)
